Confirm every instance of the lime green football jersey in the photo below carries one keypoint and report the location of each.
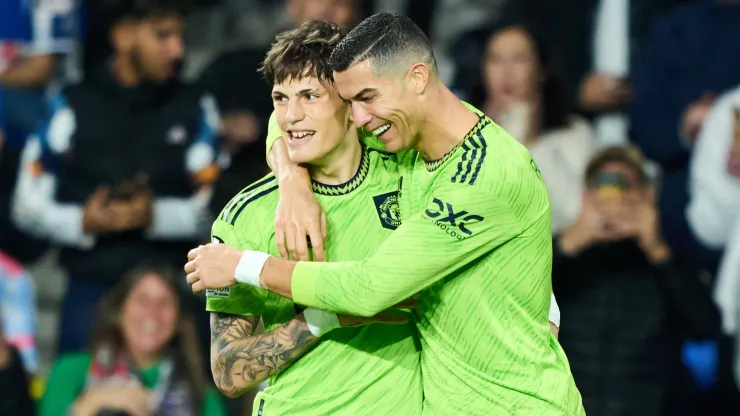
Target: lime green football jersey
(371, 370)
(476, 243)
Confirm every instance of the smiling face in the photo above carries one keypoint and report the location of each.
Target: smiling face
(312, 117)
(385, 105)
(148, 317)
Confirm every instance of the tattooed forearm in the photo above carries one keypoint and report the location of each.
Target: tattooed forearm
(241, 360)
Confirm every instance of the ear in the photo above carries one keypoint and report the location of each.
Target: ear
(419, 74)
(122, 36)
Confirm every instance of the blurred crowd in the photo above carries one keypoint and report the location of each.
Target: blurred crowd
(119, 142)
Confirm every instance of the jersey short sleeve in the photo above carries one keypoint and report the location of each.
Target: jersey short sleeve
(240, 299)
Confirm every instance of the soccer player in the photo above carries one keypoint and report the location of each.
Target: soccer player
(371, 370)
(474, 241)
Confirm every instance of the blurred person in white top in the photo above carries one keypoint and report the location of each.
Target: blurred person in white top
(522, 93)
(714, 207)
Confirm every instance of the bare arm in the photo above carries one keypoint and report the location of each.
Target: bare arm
(298, 213)
(241, 360)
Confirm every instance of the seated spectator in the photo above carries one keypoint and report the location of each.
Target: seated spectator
(624, 305)
(521, 92)
(144, 357)
(14, 381)
(122, 170)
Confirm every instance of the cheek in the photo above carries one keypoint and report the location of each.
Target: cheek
(526, 77)
(169, 319)
(494, 75)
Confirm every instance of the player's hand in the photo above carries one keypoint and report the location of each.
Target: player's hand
(600, 92)
(694, 115)
(212, 266)
(381, 318)
(298, 219)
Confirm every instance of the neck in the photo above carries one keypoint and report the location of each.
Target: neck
(144, 360)
(123, 70)
(446, 123)
(341, 164)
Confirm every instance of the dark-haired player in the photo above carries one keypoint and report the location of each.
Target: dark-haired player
(475, 238)
(371, 370)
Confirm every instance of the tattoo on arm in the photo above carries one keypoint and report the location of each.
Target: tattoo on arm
(240, 360)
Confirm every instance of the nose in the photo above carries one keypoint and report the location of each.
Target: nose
(360, 115)
(295, 112)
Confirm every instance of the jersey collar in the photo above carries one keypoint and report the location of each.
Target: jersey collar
(349, 186)
(483, 121)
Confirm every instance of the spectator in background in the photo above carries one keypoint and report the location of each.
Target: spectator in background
(17, 302)
(624, 304)
(144, 358)
(522, 93)
(14, 382)
(715, 174)
(121, 171)
(598, 43)
(35, 38)
(691, 57)
(713, 211)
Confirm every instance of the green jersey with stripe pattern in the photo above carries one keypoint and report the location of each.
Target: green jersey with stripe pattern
(371, 370)
(476, 242)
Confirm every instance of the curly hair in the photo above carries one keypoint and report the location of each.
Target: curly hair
(302, 52)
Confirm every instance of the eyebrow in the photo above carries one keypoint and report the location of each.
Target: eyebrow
(359, 95)
(301, 92)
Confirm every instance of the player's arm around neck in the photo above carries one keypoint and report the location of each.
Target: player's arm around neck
(241, 360)
(298, 213)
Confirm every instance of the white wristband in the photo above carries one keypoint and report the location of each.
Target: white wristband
(320, 322)
(554, 311)
(250, 266)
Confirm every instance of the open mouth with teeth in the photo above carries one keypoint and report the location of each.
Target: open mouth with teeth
(382, 129)
(299, 137)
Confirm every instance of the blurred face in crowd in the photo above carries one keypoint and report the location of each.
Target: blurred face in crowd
(629, 183)
(385, 104)
(312, 117)
(342, 12)
(148, 316)
(511, 69)
(154, 46)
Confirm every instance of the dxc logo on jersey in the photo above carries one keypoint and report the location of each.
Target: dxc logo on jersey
(450, 221)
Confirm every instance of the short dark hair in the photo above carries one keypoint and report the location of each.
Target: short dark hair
(302, 52)
(384, 39)
(136, 10)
